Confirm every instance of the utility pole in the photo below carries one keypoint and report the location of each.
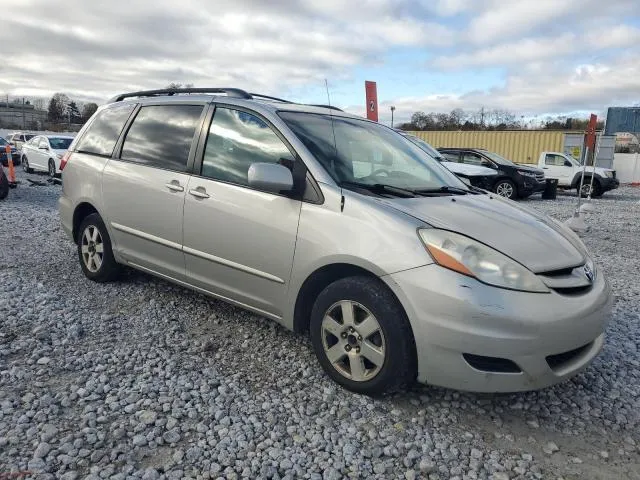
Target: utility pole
(23, 119)
(392, 110)
(482, 116)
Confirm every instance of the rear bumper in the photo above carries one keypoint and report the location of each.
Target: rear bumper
(455, 319)
(66, 215)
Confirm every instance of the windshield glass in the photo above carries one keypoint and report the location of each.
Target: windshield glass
(498, 159)
(28, 136)
(2, 141)
(353, 150)
(425, 146)
(60, 143)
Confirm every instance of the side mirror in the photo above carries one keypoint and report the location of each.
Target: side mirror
(567, 163)
(270, 177)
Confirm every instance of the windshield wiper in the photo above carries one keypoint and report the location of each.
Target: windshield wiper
(445, 189)
(381, 188)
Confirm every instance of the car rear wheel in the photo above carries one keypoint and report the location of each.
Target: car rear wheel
(362, 337)
(506, 188)
(52, 168)
(94, 250)
(25, 165)
(4, 184)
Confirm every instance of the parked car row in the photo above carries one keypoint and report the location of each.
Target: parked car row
(491, 171)
(334, 225)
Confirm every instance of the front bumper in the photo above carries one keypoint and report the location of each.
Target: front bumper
(608, 183)
(453, 315)
(532, 185)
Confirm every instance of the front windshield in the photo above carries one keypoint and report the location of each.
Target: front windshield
(2, 141)
(425, 146)
(498, 159)
(358, 151)
(60, 143)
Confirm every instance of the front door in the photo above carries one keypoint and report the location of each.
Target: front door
(144, 189)
(238, 241)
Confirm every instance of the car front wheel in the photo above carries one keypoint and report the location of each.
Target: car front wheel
(506, 189)
(362, 337)
(25, 164)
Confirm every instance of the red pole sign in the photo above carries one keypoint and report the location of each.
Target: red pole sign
(590, 140)
(371, 91)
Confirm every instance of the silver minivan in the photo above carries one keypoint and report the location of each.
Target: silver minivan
(337, 226)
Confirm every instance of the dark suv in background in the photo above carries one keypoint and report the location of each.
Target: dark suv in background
(513, 180)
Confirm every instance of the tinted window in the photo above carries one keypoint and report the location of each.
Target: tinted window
(103, 133)
(28, 136)
(471, 158)
(161, 136)
(451, 156)
(2, 141)
(236, 140)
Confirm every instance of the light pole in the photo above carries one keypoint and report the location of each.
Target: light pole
(392, 110)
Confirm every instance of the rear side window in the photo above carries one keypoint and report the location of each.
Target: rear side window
(161, 136)
(451, 156)
(102, 135)
(236, 140)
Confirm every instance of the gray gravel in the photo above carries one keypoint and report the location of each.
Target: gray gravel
(143, 379)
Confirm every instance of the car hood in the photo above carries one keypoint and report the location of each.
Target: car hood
(59, 151)
(468, 170)
(532, 239)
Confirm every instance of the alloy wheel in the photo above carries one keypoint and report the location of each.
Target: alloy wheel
(353, 341)
(505, 190)
(92, 248)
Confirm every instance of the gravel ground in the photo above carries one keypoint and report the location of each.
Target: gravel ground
(143, 379)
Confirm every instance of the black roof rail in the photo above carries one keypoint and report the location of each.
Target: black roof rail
(331, 107)
(268, 97)
(232, 92)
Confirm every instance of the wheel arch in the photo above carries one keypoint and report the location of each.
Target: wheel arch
(82, 211)
(317, 281)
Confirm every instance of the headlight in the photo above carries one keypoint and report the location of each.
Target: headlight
(609, 174)
(526, 174)
(468, 257)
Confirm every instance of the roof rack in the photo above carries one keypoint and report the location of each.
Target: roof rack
(331, 107)
(259, 95)
(232, 92)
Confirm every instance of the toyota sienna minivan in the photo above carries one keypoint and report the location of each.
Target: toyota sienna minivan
(337, 226)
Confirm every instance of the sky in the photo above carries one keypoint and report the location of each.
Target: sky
(534, 58)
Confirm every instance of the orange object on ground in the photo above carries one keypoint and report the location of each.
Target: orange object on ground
(12, 170)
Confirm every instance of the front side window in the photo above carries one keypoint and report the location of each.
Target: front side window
(553, 160)
(236, 140)
(161, 136)
(102, 135)
(357, 151)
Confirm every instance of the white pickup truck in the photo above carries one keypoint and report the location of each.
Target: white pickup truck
(568, 171)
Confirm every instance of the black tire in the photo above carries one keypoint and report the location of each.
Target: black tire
(109, 269)
(597, 188)
(52, 168)
(399, 367)
(25, 165)
(506, 185)
(4, 185)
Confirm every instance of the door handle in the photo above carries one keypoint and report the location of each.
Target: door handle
(174, 187)
(199, 192)
(545, 168)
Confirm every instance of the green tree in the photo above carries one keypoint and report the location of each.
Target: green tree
(57, 107)
(73, 112)
(88, 110)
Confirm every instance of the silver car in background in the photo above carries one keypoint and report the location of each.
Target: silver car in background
(44, 153)
(337, 226)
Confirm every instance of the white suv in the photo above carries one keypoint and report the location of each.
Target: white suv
(329, 223)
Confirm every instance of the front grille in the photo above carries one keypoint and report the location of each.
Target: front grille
(561, 360)
(567, 281)
(491, 364)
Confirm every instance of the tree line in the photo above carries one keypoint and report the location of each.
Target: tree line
(63, 109)
(491, 119)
